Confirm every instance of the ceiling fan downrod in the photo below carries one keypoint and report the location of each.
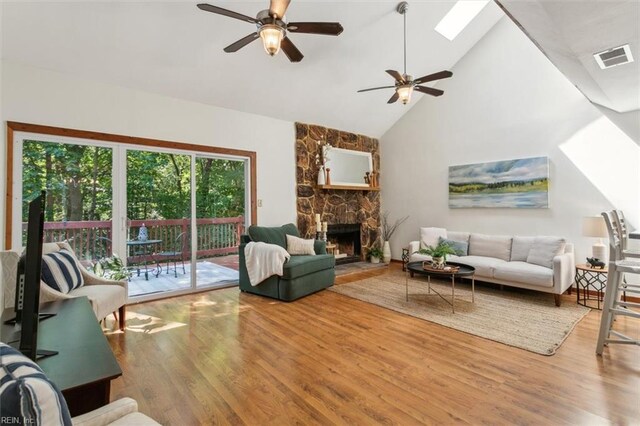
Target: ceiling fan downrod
(402, 9)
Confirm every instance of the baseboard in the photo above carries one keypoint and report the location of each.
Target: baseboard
(595, 294)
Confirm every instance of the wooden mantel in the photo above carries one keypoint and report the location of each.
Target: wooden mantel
(350, 187)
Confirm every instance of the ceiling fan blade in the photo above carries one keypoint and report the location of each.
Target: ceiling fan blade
(393, 98)
(325, 28)
(429, 90)
(395, 74)
(435, 76)
(376, 88)
(291, 50)
(234, 47)
(278, 8)
(220, 11)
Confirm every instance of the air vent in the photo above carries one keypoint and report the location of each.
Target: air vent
(613, 57)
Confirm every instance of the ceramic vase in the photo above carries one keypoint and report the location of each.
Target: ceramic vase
(438, 262)
(321, 176)
(375, 259)
(143, 234)
(386, 252)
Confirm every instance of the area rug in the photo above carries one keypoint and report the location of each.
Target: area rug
(524, 319)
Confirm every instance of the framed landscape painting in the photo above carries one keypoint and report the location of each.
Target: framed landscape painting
(521, 184)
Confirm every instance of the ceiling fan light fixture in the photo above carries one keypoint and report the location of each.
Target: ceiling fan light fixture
(404, 93)
(271, 36)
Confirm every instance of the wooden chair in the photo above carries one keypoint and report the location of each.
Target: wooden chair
(613, 305)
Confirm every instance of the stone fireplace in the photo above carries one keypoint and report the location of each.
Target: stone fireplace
(338, 207)
(347, 239)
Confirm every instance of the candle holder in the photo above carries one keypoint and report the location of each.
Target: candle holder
(318, 235)
(324, 236)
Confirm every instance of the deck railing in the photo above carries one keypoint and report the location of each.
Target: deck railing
(93, 239)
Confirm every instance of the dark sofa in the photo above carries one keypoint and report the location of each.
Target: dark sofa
(302, 275)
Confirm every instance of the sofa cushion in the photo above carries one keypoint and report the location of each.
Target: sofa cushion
(61, 272)
(484, 265)
(430, 236)
(104, 299)
(299, 266)
(273, 235)
(461, 247)
(300, 246)
(523, 272)
(498, 246)
(521, 247)
(26, 392)
(544, 249)
(458, 236)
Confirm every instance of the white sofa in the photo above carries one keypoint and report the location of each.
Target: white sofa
(536, 263)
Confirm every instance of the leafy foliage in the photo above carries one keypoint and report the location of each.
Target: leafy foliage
(111, 268)
(441, 250)
(78, 179)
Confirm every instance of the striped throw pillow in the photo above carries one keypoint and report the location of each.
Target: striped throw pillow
(28, 396)
(61, 272)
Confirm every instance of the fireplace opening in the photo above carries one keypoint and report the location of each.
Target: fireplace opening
(346, 237)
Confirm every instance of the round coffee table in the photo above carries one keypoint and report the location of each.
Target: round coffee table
(462, 271)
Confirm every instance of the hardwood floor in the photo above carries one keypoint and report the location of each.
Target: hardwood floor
(235, 358)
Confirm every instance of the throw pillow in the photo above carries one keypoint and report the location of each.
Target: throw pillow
(490, 246)
(27, 394)
(300, 246)
(520, 248)
(461, 248)
(61, 272)
(430, 236)
(544, 249)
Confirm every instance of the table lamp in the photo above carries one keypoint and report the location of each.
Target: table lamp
(595, 227)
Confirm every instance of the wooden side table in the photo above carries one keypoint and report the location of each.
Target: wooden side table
(331, 249)
(588, 278)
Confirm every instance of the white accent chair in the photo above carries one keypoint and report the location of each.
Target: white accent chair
(105, 296)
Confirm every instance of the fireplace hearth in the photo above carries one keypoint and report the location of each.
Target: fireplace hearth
(346, 237)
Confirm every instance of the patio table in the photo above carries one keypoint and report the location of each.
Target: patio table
(146, 250)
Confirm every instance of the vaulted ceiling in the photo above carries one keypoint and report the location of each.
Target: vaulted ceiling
(571, 32)
(174, 49)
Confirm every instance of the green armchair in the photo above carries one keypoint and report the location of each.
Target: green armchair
(302, 275)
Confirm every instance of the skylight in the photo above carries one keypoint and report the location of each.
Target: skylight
(459, 17)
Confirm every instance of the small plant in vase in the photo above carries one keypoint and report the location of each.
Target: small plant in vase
(439, 254)
(375, 253)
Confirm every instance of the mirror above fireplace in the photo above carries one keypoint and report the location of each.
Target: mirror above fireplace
(348, 167)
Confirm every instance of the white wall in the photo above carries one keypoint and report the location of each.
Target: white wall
(506, 101)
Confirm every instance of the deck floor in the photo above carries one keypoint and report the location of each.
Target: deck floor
(210, 271)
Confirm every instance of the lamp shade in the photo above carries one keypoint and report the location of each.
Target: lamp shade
(594, 227)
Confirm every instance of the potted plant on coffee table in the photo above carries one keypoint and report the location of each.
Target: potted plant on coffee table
(375, 253)
(438, 253)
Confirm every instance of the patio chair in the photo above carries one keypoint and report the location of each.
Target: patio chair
(175, 254)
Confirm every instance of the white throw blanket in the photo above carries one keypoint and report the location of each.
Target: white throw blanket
(264, 260)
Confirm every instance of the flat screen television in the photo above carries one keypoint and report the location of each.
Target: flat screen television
(28, 283)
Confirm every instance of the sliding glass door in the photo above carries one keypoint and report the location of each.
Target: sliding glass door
(167, 220)
(220, 218)
(158, 222)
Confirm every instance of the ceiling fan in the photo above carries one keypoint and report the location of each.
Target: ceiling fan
(405, 84)
(272, 27)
